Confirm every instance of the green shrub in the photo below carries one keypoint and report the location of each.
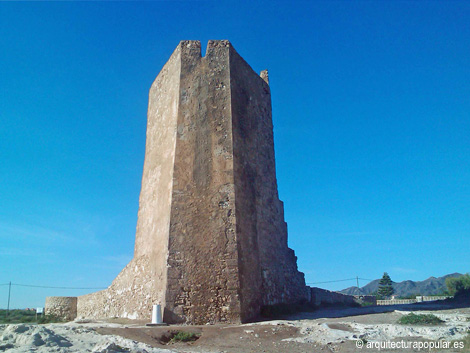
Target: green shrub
(18, 316)
(183, 336)
(458, 285)
(366, 304)
(49, 319)
(420, 319)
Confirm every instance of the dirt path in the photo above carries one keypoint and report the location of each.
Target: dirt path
(216, 338)
(327, 330)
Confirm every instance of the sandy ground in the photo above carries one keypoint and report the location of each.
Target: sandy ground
(326, 330)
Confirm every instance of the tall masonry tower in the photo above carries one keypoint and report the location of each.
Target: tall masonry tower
(211, 241)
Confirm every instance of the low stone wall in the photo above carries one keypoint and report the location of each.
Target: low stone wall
(365, 299)
(62, 307)
(396, 301)
(426, 298)
(320, 297)
(419, 299)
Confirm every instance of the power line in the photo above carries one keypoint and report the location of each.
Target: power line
(10, 284)
(343, 280)
(34, 286)
(339, 280)
(55, 287)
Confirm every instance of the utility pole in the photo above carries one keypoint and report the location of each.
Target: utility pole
(357, 280)
(9, 292)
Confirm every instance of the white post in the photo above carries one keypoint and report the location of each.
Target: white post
(157, 314)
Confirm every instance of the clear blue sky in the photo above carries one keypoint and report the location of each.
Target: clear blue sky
(371, 111)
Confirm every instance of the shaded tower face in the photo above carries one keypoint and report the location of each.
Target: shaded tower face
(211, 241)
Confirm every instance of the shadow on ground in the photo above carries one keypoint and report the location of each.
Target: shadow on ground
(337, 312)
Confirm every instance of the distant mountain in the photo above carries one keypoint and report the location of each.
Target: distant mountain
(430, 286)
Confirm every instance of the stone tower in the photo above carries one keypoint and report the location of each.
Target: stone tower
(211, 241)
